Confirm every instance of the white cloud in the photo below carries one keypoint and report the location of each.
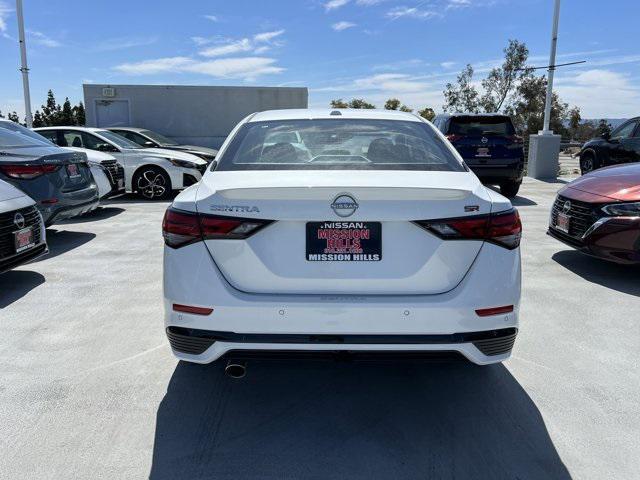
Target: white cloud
(123, 43)
(448, 65)
(5, 11)
(410, 12)
(158, 65)
(241, 67)
(213, 18)
(333, 4)
(40, 38)
(243, 45)
(338, 27)
(368, 3)
(458, 4)
(267, 36)
(600, 93)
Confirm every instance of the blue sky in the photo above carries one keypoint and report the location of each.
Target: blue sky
(374, 49)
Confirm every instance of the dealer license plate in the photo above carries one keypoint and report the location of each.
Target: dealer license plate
(344, 241)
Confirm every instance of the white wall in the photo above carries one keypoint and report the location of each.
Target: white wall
(200, 115)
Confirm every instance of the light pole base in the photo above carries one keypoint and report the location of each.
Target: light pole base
(544, 151)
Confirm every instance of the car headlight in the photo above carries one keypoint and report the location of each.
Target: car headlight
(182, 163)
(622, 209)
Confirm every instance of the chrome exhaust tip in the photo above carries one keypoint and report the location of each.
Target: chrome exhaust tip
(235, 369)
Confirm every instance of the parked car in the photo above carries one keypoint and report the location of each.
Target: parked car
(489, 146)
(22, 232)
(599, 214)
(60, 181)
(377, 239)
(149, 139)
(107, 173)
(151, 172)
(621, 146)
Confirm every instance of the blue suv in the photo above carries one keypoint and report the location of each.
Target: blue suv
(489, 146)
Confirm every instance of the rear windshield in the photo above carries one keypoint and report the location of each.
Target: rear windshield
(477, 125)
(338, 144)
(14, 135)
(119, 140)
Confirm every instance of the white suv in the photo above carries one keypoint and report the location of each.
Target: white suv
(368, 235)
(152, 172)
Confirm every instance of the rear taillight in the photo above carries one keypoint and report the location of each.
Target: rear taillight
(27, 172)
(452, 137)
(181, 228)
(502, 228)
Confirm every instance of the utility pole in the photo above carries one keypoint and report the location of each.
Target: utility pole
(552, 67)
(24, 69)
(544, 148)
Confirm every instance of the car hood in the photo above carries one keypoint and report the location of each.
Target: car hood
(166, 153)
(8, 192)
(93, 156)
(40, 155)
(619, 183)
(196, 148)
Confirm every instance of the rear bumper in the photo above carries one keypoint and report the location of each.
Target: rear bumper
(616, 239)
(491, 172)
(407, 323)
(202, 346)
(65, 212)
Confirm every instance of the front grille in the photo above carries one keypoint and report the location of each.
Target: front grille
(8, 228)
(496, 346)
(582, 214)
(114, 171)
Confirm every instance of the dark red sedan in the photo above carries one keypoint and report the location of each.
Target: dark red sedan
(599, 214)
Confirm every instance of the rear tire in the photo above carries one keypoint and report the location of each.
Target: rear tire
(588, 163)
(152, 183)
(510, 189)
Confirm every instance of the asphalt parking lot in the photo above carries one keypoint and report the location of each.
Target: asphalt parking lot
(89, 388)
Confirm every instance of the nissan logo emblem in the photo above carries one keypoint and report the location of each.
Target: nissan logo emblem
(18, 220)
(484, 140)
(344, 205)
(566, 208)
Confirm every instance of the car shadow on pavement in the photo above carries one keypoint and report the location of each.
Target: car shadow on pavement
(16, 284)
(341, 420)
(623, 278)
(62, 241)
(522, 202)
(101, 213)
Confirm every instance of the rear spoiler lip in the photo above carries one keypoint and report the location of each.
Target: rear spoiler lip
(62, 158)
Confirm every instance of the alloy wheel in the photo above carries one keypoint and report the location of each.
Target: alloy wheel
(152, 184)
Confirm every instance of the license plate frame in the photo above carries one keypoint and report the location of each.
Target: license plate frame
(483, 152)
(23, 239)
(563, 222)
(343, 241)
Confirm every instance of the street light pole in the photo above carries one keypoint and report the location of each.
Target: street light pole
(24, 69)
(552, 69)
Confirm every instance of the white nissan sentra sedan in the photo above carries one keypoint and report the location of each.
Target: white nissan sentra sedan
(340, 231)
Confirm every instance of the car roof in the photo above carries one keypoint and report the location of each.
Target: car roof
(72, 127)
(128, 129)
(315, 113)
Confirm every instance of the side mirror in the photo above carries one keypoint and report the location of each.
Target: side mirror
(149, 144)
(105, 147)
(606, 136)
(213, 165)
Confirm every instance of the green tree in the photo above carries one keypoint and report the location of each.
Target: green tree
(502, 82)
(427, 113)
(392, 104)
(462, 96)
(527, 111)
(404, 108)
(51, 111)
(37, 120)
(13, 116)
(1, 116)
(339, 103)
(66, 116)
(79, 117)
(574, 119)
(360, 103)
